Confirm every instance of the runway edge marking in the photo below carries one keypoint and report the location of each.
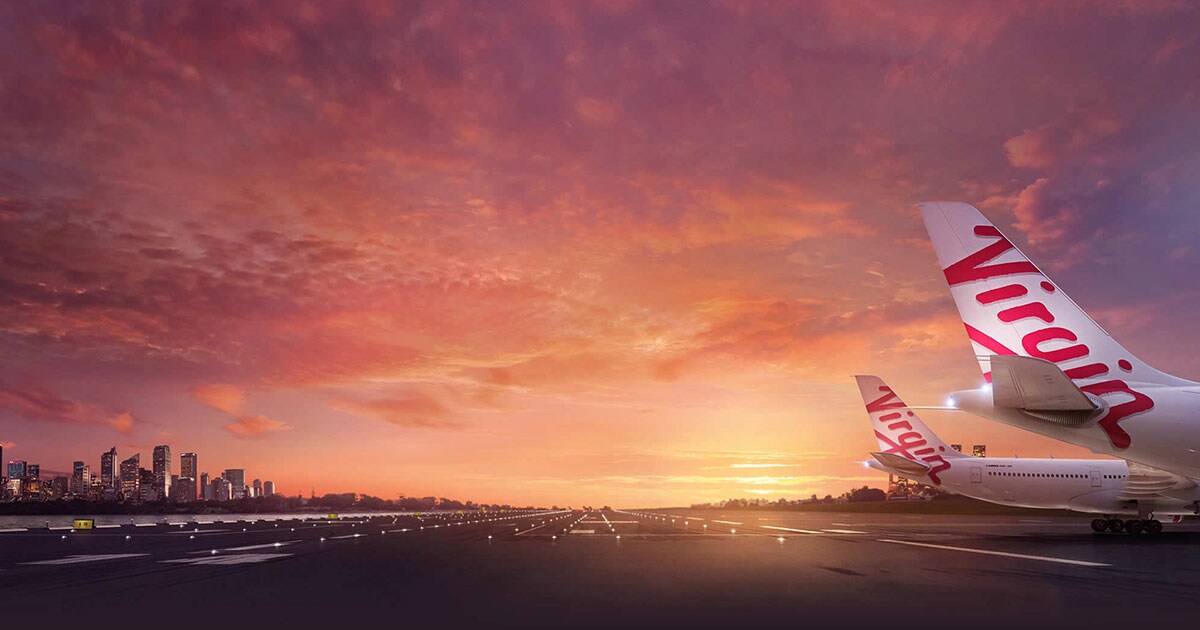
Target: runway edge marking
(986, 552)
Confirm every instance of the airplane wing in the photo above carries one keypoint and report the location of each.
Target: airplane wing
(901, 463)
(1145, 482)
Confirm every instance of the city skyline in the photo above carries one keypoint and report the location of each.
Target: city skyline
(627, 253)
(125, 480)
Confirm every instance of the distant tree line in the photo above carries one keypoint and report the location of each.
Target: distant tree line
(856, 495)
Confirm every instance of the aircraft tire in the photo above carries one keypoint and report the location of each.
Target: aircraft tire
(1133, 526)
(1116, 525)
(1099, 525)
(1153, 526)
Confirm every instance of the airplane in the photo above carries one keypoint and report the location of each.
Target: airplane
(1109, 487)
(1049, 368)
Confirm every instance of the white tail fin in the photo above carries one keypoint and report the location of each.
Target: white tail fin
(1010, 307)
(899, 430)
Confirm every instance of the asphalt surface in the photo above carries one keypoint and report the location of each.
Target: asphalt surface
(736, 568)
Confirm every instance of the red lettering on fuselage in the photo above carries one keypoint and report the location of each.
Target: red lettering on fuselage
(974, 267)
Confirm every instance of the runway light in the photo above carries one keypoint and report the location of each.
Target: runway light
(64, 537)
(213, 552)
(278, 545)
(733, 531)
(192, 537)
(322, 539)
(780, 539)
(950, 402)
(127, 537)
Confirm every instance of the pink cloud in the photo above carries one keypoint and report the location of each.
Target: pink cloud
(36, 403)
(255, 426)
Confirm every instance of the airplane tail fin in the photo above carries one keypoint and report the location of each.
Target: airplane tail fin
(900, 432)
(1009, 307)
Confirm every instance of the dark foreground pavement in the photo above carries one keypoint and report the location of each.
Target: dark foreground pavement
(746, 568)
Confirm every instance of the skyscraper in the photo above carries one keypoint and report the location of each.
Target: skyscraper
(256, 488)
(162, 471)
(268, 488)
(130, 485)
(108, 469)
(188, 473)
(81, 478)
(220, 489)
(16, 469)
(237, 482)
(33, 471)
(205, 489)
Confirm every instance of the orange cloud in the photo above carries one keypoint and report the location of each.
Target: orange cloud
(414, 410)
(223, 397)
(254, 426)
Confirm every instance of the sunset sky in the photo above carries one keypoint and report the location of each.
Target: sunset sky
(578, 253)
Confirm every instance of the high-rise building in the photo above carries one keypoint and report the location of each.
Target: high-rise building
(33, 471)
(188, 474)
(16, 469)
(205, 490)
(108, 469)
(148, 486)
(81, 478)
(957, 447)
(979, 450)
(130, 481)
(237, 482)
(162, 471)
(268, 488)
(220, 489)
(256, 488)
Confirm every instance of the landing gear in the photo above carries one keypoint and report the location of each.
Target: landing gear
(1132, 526)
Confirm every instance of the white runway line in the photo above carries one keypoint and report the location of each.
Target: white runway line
(248, 558)
(842, 531)
(252, 547)
(13, 529)
(791, 529)
(79, 559)
(728, 522)
(1022, 556)
(106, 526)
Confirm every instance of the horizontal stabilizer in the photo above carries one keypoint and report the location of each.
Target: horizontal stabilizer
(1034, 384)
(901, 463)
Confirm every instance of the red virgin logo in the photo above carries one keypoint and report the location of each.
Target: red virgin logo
(974, 267)
(910, 443)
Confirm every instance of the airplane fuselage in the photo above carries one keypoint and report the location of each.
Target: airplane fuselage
(1167, 436)
(1081, 485)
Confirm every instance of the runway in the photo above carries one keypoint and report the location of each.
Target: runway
(605, 568)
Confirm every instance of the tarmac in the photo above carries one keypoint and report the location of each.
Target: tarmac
(657, 568)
